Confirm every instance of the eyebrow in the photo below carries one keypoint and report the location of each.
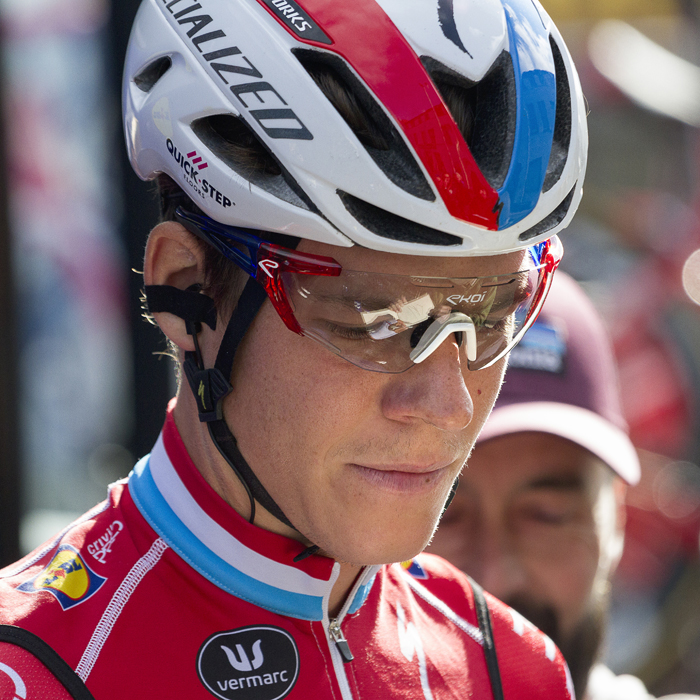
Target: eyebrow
(499, 284)
(557, 482)
(350, 301)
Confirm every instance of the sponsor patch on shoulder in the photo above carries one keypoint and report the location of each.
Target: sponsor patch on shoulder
(414, 568)
(102, 546)
(249, 663)
(67, 577)
(543, 348)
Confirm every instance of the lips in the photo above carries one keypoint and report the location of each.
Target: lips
(404, 478)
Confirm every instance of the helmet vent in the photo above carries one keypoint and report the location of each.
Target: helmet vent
(562, 122)
(484, 112)
(231, 139)
(387, 225)
(552, 220)
(367, 120)
(152, 73)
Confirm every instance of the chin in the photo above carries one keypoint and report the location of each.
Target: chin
(381, 545)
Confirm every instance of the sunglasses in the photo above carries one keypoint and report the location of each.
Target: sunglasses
(384, 322)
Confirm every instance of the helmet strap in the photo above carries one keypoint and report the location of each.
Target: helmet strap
(211, 386)
(451, 495)
(249, 304)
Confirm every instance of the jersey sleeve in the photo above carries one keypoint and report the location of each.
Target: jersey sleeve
(30, 668)
(530, 663)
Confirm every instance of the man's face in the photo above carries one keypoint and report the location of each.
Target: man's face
(535, 522)
(361, 462)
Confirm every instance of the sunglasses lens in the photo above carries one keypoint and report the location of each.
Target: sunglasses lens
(384, 322)
(387, 323)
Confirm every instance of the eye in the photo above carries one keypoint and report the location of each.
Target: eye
(552, 510)
(351, 332)
(418, 331)
(548, 516)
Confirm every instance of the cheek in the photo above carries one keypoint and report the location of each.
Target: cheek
(287, 389)
(454, 540)
(484, 385)
(566, 577)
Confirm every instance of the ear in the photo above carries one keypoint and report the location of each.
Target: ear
(620, 490)
(173, 257)
(620, 494)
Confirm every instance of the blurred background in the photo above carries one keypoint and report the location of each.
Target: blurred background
(83, 387)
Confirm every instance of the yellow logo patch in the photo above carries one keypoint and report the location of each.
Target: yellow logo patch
(67, 577)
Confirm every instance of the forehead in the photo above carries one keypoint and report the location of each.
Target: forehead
(509, 464)
(366, 260)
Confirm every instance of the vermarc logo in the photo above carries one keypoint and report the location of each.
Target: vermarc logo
(241, 662)
(249, 663)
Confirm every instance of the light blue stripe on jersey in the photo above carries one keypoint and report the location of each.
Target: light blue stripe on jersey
(536, 94)
(165, 522)
(361, 596)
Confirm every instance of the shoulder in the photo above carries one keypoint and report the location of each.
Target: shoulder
(30, 668)
(530, 663)
(603, 684)
(82, 537)
(60, 590)
(80, 532)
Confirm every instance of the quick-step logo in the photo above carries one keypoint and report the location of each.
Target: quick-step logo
(261, 100)
(192, 165)
(250, 663)
(67, 577)
(197, 160)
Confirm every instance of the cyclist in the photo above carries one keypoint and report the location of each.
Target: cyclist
(360, 209)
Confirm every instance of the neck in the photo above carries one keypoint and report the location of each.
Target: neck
(219, 475)
(341, 589)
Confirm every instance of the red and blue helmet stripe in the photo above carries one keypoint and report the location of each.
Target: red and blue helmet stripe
(404, 87)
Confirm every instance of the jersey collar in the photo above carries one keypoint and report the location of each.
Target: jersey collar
(251, 563)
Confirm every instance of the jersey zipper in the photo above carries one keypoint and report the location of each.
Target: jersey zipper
(340, 652)
(338, 645)
(336, 634)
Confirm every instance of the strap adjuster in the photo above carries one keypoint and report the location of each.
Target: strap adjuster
(209, 387)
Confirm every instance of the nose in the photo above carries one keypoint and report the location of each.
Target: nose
(497, 566)
(433, 391)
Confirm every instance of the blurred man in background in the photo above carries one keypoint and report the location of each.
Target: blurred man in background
(538, 518)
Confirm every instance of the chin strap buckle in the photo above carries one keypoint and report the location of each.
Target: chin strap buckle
(209, 387)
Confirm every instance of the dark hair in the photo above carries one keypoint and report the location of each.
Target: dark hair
(223, 280)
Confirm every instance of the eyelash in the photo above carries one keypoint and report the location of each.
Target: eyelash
(349, 332)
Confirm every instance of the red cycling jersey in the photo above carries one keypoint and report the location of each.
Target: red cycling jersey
(164, 591)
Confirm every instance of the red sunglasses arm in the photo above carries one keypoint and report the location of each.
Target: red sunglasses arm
(273, 260)
(552, 258)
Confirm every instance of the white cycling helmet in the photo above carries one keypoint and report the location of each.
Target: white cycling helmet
(201, 75)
